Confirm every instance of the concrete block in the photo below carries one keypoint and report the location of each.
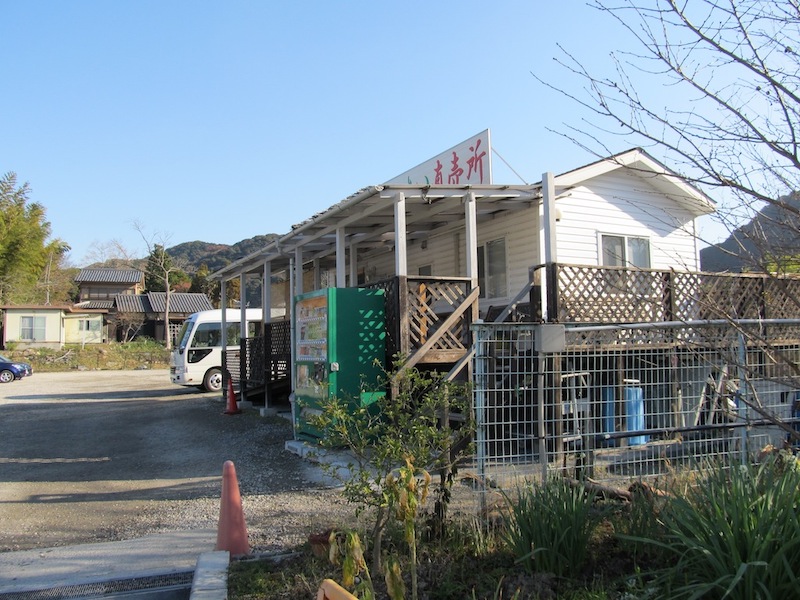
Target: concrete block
(210, 580)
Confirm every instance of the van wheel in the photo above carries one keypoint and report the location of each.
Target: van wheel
(212, 382)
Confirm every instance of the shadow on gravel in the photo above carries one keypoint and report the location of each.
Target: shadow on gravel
(116, 395)
(139, 439)
(208, 487)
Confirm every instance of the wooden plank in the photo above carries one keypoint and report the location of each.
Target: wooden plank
(442, 356)
(447, 324)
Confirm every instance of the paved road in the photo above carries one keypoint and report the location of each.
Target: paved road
(105, 455)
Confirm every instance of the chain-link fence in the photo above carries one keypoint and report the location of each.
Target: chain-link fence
(625, 402)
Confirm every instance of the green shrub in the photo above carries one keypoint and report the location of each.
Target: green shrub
(407, 426)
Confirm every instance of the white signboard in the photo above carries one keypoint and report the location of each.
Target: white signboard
(469, 162)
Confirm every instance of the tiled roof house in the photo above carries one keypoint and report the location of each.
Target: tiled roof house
(149, 309)
(101, 285)
(154, 303)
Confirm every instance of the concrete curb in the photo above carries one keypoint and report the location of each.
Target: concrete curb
(210, 580)
(339, 460)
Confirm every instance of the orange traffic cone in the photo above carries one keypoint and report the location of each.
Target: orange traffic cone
(231, 531)
(232, 408)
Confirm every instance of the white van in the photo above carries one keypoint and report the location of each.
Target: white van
(197, 357)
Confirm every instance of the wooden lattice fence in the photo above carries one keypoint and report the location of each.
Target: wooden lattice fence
(429, 317)
(592, 294)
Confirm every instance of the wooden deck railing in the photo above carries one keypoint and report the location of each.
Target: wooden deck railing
(267, 358)
(429, 318)
(592, 294)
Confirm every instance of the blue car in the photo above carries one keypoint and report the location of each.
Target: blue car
(10, 370)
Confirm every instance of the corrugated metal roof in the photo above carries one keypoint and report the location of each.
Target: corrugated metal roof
(129, 276)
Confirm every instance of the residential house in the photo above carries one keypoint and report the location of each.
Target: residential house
(102, 285)
(143, 314)
(110, 306)
(38, 326)
(451, 247)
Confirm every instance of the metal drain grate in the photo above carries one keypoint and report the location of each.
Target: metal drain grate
(105, 588)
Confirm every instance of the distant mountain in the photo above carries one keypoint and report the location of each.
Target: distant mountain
(216, 256)
(773, 231)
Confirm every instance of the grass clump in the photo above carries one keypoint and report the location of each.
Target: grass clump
(295, 576)
(736, 535)
(548, 527)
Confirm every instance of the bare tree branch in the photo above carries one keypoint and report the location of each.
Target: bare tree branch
(713, 86)
(160, 266)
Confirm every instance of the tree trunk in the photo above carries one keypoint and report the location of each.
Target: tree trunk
(167, 336)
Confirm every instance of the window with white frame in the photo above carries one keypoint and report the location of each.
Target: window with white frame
(629, 252)
(32, 329)
(88, 325)
(492, 277)
(625, 251)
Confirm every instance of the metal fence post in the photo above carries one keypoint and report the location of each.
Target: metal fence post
(540, 413)
(481, 381)
(742, 410)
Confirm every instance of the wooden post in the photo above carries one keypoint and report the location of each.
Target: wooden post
(266, 328)
(404, 338)
(668, 299)
(552, 293)
(243, 354)
(341, 258)
(223, 300)
(400, 242)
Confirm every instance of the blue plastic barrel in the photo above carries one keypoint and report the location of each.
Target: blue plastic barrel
(607, 415)
(634, 407)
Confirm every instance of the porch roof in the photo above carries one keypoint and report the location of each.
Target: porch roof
(367, 218)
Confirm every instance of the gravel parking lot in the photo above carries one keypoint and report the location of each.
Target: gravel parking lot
(109, 455)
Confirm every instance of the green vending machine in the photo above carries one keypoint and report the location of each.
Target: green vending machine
(340, 334)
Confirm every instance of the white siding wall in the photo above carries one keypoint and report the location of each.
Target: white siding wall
(521, 233)
(619, 203)
(623, 204)
(445, 254)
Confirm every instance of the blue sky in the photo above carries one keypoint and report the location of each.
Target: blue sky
(218, 121)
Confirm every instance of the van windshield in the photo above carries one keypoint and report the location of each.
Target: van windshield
(183, 335)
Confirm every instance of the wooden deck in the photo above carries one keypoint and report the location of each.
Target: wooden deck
(429, 318)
